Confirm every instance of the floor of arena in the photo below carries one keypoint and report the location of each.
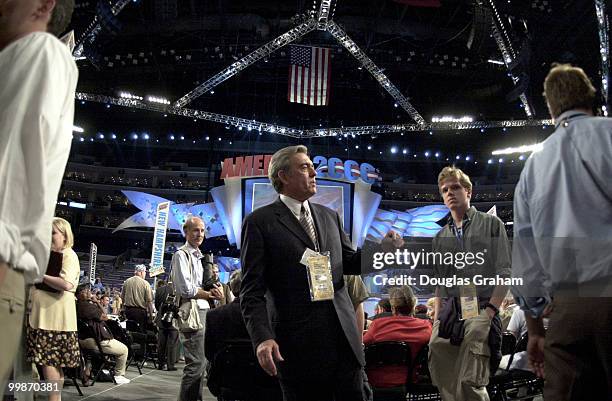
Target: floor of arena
(153, 384)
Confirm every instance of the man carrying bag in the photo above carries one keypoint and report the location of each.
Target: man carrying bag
(188, 276)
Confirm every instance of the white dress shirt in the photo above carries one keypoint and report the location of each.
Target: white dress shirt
(39, 79)
(188, 273)
(295, 205)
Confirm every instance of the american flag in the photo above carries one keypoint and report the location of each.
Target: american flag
(309, 75)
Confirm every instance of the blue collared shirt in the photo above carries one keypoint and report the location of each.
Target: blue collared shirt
(563, 211)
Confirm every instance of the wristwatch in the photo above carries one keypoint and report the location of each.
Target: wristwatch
(490, 305)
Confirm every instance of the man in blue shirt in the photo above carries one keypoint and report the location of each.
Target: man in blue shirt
(562, 242)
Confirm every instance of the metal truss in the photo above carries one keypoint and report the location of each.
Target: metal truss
(265, 50)
(324, 14)
(254, 125)
(501, 36)
(604, 50)
(250, 125)
(94, 29)
(376, 72)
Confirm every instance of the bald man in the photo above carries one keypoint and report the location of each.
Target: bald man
(188, 275)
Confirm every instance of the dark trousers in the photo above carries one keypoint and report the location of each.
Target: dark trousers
(578, 350)
(139, 315)
(345, 386)
(167, 347)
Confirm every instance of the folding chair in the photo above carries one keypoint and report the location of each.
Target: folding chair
(146, 341)
(506, 385)
(388, 354)
(124, 336)
(421, 388)
(96, 356)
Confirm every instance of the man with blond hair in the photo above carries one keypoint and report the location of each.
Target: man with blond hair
(465, 343)
(562, 242)
(187, 277)
(37, 96)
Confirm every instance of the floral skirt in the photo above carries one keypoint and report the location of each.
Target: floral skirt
(53, 348)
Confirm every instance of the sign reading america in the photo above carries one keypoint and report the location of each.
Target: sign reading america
(309, 75)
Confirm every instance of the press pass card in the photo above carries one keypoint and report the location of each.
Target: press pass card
(469, 301)
(320, 277)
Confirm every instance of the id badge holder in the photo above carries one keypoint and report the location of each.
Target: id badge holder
(320, 277)
(469, 301)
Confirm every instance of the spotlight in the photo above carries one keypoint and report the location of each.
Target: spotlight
(182, 138)
(369, 147)
(501, 160)
(207, 138)
(145, 136)
(427, 154)
(82, 139)
(172, 137)
(521, 157)
(394, 150)
(134, 136)
(468, 158)
(113, 136)
(437, 154)
(457, 157)
(490, 161)
(100, 135)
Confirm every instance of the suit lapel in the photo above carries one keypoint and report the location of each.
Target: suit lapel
(286, 218)
(318, 222)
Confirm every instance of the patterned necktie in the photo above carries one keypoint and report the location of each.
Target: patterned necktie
(308, 225)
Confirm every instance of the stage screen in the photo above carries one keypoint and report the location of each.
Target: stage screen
(336, 195)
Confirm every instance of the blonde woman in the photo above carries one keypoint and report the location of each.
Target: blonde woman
(52, 341)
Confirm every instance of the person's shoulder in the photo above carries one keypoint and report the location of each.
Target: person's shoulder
(46, 45)
(323, 209)
(262, 213)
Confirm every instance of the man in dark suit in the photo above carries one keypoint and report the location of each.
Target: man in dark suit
(313, 346)
(225, 325)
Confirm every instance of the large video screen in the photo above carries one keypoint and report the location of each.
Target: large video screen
(336, 195)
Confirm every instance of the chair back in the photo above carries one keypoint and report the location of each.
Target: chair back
(389, 353)
(508, 343)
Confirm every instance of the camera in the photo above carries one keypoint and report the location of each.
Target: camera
(169, 311)
(209, 279)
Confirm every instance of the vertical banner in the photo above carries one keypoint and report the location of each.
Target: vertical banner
(93, 252)
(159, 239)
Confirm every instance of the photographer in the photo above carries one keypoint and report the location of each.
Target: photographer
(189, 275)
(228, 296)
(167, 336)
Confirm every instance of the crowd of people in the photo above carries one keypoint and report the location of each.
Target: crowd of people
(297, 299)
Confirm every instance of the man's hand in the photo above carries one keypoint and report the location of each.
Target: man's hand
(392, 241)
(535, 354)
(217, 292)
(267, 354)
(3, 269)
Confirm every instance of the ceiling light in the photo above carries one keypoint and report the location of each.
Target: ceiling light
(519, 149)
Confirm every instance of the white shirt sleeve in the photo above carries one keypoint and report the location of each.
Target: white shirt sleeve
(183, 278)
(37, 119)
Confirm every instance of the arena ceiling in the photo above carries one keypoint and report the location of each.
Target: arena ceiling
(441, 59)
